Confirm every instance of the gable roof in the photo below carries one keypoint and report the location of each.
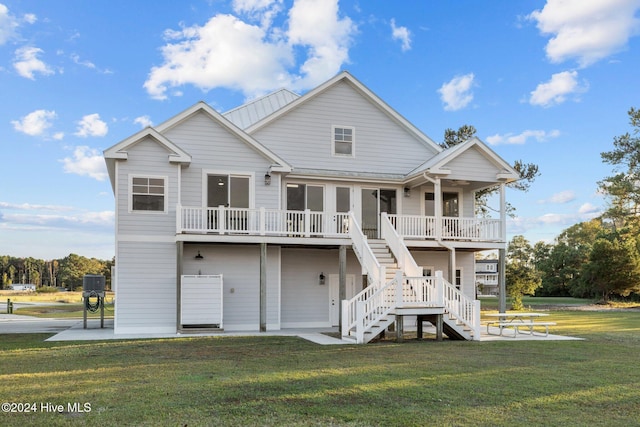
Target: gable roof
(120, 150)
(256, 110)
(364, 91)
(436, 165)
(279, 164)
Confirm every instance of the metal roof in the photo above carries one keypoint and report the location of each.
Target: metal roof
(256, 110)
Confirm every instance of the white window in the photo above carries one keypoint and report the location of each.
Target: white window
(148, 194)
(343, 141)
(458, 281)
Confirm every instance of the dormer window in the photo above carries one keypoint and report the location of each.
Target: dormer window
(343, 141)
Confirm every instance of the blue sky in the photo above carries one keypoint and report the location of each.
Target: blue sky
(548, 82)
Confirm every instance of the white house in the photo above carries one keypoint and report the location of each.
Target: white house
(290, 211)
(487, 276)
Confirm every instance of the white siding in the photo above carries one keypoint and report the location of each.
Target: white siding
(146, 158)
(303, 136)
(146, 299)
(440, 261)
(472, 165)
(240, 265)
(213, 148)
(305, 303)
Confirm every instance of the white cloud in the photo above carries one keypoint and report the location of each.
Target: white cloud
(143, 121)
(263, 11)
(402, 34)
(27, 63)
(31, 207)
(456, 94)
(556, 90)
(8, 25)
(589, 209)
(561, 198)
(316, 24)
(91, 125)
(85, 63)
(586, 30)
(30, 18)
(522, 137)
(229, 52)
(35, 123)
(86, 162)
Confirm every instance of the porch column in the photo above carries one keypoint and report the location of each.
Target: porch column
(179, 256)
(502, 253)
(263, 287)
(502, 282)
(342, 280)
(437, 195)
(452, 266)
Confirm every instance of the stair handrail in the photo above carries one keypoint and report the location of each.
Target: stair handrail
(366, 309)
(400, 251)
(372, 268)
(465, 309)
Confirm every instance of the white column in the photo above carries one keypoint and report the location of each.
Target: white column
(437, 195)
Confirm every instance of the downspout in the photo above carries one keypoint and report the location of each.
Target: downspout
(438, 211)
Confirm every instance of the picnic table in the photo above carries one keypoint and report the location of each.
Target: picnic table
(517, 321)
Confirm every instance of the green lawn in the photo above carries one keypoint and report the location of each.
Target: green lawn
(533, 303)
(230, 381)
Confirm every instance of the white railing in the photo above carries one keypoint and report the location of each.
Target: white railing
(400, 251)
(370, 265)
(366, 309)
(261, 221)
(373, 304)
(451, 228)
(465, 309)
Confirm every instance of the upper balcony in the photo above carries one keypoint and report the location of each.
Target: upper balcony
(289, 223)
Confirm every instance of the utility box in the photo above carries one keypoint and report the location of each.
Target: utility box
(93, 295)
(93, 283)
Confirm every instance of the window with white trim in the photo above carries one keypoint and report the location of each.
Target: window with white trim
(343, 141)
(148, 194)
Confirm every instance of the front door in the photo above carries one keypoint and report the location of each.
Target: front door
(334, 295)
(374, 202)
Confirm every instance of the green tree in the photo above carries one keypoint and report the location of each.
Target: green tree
(74, 267)
(623, 188)
(613, 268)
(521, 275)
(528, 171)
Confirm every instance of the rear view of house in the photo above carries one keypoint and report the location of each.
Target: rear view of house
(327, 209)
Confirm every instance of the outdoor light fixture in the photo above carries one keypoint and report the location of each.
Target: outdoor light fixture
(321, 278)
(199, 257)
(267, 179)
(407, 192)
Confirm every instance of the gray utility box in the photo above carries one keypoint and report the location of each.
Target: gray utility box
(93, 283)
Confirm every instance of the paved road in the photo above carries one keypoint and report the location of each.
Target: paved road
(16, 324)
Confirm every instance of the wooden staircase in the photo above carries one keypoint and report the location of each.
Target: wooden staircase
(452, 326)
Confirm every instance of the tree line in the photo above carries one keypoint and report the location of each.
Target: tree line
(599, 258)
(67, 272)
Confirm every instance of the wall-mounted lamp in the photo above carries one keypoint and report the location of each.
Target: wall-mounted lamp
(321, 278)
(407, 192)
(199, 257)
(267, 179)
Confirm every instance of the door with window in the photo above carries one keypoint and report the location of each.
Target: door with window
(450, 204)
(334, 295)
(232, 193)
(343, 206)
(374, 202)
(301, 197)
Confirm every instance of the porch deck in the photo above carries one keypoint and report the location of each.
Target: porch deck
(309, 224)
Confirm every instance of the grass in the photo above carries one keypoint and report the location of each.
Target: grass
(491, 303)
(232, 381)
(63, 304)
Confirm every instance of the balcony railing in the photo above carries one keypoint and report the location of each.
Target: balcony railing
(447, 228)
(261, 221)
(277, 222)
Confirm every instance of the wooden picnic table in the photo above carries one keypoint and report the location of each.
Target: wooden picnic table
(517, 321)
